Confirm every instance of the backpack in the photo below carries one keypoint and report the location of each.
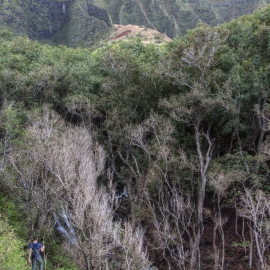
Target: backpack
(35, 253)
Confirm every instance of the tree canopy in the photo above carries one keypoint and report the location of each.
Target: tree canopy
(130, 155)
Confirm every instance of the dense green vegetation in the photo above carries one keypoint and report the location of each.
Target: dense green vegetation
(181, 128)
(11, 248)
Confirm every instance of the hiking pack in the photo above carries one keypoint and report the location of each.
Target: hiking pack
(35, 253)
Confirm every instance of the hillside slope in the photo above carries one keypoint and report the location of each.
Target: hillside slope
(84, 22)
(58, 21)
(175, 17)
(147, 35)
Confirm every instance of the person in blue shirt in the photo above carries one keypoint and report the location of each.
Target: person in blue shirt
(34, 256)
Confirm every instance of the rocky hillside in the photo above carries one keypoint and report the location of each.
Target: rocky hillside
(84, 22)
(73, 23)
(175, 17)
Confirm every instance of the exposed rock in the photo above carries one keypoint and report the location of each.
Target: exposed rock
(85, 25)
(147, 35)
(208, 241)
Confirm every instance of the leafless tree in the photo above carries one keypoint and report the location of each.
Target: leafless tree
(194, 103)
(220, 180)
(60, 168)
(8, 124)
(173, 221)
(254, 206)
(172, 213)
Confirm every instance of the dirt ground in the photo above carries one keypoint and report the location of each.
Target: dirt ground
(147, 35)
(236, 255)
(235, 233)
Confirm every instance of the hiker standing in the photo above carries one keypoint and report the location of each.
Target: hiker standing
(35, 249)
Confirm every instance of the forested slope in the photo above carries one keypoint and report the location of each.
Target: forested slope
(135, 156)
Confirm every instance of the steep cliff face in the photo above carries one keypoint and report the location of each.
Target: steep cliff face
(37, 19)
(85, 25)
(84, 22)
(175, 17)
(73, 22)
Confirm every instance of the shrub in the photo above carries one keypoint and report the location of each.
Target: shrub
(11, 248)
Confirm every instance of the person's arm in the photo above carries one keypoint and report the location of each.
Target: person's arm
(29, 256)
(42, 248)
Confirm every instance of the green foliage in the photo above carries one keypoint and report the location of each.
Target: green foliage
(56, 258)
(36, 74)
(13, 228)
(241, 244)
(13, 212)
(12, 255)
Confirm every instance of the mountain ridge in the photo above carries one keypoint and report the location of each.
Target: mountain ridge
(86, 22)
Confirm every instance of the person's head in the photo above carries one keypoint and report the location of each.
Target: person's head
(35, 238)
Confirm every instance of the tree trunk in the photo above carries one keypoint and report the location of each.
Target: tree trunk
(203, 164)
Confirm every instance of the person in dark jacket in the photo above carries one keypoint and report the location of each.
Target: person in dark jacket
(34, 256)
